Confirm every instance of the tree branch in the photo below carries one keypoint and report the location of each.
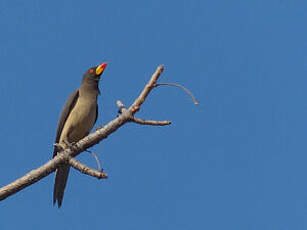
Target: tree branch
(87, 170)
(150, 122)
(142, 97)
(66, 155)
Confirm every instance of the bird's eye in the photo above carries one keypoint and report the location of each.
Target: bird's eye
(91, 70)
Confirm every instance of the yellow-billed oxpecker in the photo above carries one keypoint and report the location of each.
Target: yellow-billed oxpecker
(76, 121)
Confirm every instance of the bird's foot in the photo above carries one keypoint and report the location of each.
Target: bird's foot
(58, 147)
(69, 144)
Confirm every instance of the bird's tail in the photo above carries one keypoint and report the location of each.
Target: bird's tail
(61, 177)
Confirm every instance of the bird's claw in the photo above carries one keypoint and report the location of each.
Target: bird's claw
(58, 147)
(69, 144)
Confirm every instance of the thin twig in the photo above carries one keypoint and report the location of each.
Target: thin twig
(150, 122)
(87, 170)
(181, 87)
(96, 158)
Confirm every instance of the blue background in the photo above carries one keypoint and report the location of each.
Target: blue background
(236, 161)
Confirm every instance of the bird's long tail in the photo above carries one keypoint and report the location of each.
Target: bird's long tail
(61, 177)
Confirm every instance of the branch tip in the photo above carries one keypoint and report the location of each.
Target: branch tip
(150, 122)
(119, 104)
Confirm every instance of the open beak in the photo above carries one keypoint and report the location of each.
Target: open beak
(101, 68)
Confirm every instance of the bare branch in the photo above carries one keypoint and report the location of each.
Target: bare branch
(32, 177)
(121, 107)
(181, 87)
(150, 122)
(142, 97)
(87, 170)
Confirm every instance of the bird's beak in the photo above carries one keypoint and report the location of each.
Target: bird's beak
(101, 68)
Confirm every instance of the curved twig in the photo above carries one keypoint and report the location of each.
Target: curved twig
(97, 160)
(181, 87)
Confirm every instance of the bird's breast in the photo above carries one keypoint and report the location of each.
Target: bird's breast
(80, 120)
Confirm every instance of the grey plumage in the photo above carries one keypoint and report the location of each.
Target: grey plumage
(76, 121)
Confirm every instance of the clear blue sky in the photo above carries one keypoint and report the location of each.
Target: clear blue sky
(236, 161)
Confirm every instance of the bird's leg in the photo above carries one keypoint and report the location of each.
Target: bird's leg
(69, 144)
(58, 147)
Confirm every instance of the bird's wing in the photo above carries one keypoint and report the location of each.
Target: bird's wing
(96, 113)
(64, 115)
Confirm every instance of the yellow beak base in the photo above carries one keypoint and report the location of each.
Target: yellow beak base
(100, 68)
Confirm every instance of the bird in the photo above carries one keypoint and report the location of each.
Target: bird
(76, 121)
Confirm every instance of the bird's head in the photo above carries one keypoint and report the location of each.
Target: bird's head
(94, 73)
